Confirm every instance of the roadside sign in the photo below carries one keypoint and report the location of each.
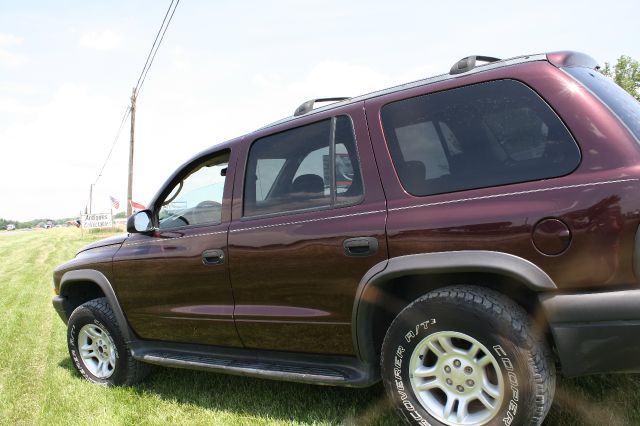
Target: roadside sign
(96, 221)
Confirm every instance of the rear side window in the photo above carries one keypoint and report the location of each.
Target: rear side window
(309, 167)
(477, 136)
(625, 106)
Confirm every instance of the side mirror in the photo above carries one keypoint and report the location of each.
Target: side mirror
(140, 222)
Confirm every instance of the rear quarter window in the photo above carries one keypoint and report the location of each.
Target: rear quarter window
(488, 134)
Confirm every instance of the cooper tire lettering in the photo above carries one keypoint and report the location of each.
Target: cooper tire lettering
(512, 407)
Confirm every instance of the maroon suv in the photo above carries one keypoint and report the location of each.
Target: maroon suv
(456, 237)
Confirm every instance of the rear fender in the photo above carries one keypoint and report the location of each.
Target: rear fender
(371, 289)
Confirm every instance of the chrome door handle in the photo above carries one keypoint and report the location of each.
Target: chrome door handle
(213, 257)
(360, 246)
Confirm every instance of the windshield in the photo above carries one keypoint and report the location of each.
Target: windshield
(625, 106)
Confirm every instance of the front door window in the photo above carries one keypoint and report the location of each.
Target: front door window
(197, 198)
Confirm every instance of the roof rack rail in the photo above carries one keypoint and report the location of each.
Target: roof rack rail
(308, 105)
(469, 63)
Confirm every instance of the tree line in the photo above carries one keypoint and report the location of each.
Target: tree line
(31, 223)
(626, 73)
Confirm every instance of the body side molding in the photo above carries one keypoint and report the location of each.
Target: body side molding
(463, 261)
(101, 281)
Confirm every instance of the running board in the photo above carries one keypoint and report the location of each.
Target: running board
(294, 367)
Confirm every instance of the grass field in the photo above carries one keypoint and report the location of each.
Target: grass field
(38, 384)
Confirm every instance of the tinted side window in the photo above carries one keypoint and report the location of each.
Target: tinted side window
(477, 136)
(197, 198)
(267, 170)
(295, 170)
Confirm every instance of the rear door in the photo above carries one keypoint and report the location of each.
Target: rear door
(308, 222)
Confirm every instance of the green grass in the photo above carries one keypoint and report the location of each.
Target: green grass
(38, 384)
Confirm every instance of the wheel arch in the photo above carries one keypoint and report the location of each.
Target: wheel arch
(391, 285)
(81, 285)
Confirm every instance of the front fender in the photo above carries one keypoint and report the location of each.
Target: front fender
(91, 275)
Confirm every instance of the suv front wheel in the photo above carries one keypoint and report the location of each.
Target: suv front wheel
(467, 356)
(98, 349)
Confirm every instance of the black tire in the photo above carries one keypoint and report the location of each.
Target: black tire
(98, 315)
(503, 329)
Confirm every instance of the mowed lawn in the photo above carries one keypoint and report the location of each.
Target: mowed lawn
(38, 384)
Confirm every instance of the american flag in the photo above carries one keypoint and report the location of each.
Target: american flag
(115, 203)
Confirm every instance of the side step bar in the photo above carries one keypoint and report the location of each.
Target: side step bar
(294, 367)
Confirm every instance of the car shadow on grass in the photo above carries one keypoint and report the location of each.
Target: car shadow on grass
(596, 400)
(611, 399)
(266, 399)
(285, 401)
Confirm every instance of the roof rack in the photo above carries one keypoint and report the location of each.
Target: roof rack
(308, 105)
(469, 63)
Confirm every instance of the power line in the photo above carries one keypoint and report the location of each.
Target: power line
(127, 111)
(141, 79)
(154, 44)
(136, 91)
(143, 75)
(115, 140)
(152, 52)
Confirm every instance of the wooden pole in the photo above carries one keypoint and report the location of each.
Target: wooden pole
(133, 124)
(90, 198)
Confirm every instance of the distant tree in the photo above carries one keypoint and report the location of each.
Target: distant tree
(5, 222)
(626, 72)
(121, 215)
(64, 220)
(32, 223)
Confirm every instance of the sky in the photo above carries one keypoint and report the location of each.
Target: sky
(67, 69)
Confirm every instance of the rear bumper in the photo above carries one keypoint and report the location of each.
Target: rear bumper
(595, 332)
(58, 305)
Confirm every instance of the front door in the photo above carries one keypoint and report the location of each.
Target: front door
(309, 221)
(174, 284)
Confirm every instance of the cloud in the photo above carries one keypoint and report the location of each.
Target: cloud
(9, 40)
(53, 151)
(101, 40)
(8, 58)
(10, 105)
(16, 88)
(12, 60)
(335, 78)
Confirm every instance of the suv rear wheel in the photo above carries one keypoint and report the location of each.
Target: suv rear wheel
(97, 348)
(467, 356)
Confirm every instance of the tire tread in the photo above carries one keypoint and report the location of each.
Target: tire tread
(508, 312)
(136, 370)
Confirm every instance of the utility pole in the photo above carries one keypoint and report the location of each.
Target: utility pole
(133, 124)
(90, 197)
